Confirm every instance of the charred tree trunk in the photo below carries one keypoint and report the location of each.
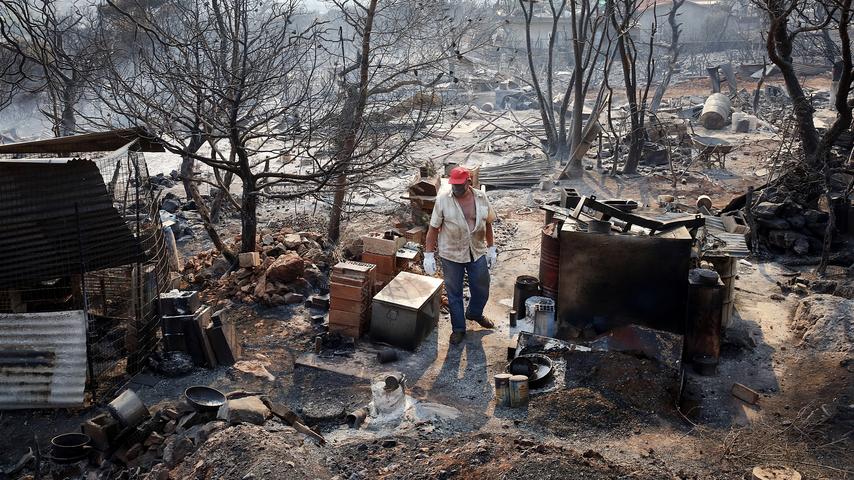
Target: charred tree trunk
(206, 221)
(224, 189)
(69, 118)
(187, 165)
(635, 132)
(345, 148)
(672, 61)
(351, 118)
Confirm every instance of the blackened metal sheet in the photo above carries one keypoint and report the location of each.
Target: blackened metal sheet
(608, 281)
(87, 142)
(39, 222)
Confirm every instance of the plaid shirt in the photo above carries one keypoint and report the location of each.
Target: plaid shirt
(456, 242)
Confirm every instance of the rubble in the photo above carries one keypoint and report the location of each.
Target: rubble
(825, 323)
(288, 265)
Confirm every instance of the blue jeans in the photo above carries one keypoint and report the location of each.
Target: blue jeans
(478, 273)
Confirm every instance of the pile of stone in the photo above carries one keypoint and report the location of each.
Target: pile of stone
(286, 268)
(788, 227)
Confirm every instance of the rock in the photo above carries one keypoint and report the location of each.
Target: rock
(389, 443)
(170, 205)
(774, 223)
(313, 236)
(300, 285)
(267, 239)
(189, 420)
(789, 240)
(797, 221)
(276, 299)
(199, 434)
(154, 439)
(177, 450)
(815, 217)
(314, 276)
(292, 240)
(768, 210)
(293, 298)
(134, 451)
(286, 268)
(778, 297)
(170, 427)
(245, 410)
(276, 250)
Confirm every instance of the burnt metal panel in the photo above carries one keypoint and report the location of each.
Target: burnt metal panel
(608, 281)
(87, 142)
(42, 359)
(55, 217)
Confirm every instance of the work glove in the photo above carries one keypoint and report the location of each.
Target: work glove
(429, 263)
(492, 256)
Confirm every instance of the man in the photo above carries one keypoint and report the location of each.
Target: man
(461, 228)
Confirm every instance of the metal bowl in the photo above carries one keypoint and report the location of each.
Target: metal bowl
(204, 399)
(69, 446)
(541, 368)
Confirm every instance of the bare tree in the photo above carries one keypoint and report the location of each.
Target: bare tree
(624, 15)
(55, 55)
(788, 22)
(237, 76)
(581, 23)
(674, 49)
(389, 57)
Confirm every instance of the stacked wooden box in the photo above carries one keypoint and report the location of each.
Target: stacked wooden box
(351, 289)
(382, 252)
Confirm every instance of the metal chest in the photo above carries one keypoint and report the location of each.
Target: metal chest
(406, 310)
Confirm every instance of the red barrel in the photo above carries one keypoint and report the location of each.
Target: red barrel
(550, 260)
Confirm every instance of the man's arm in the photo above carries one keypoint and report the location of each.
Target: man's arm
(431, 243)
(490, 235)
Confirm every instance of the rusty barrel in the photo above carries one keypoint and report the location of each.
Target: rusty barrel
(702, 345)
(549, 261)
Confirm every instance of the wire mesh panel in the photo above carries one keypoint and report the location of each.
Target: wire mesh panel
(88, 237)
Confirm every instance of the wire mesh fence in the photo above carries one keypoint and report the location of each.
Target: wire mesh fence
(88, 236)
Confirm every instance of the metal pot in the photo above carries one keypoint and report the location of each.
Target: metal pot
(128, 409)
(204, 399)
(69, 446)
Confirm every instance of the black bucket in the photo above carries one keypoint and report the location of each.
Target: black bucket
(526, 287)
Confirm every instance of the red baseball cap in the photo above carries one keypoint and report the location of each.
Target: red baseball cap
(459, 176)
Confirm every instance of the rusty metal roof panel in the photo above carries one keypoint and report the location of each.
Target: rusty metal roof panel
(59, 219)
(42, 359)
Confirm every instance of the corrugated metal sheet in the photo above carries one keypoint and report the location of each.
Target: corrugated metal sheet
(42, 359)
(87, 142)
(38, 222)
(732, 244)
